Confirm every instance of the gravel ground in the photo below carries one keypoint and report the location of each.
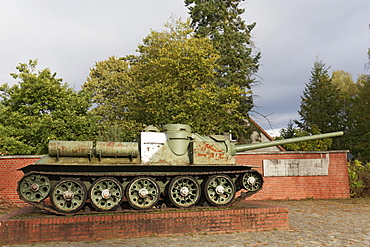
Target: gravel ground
(344, 222)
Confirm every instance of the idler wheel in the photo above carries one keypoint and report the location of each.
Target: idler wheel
(219, 190)
(106, 193)
(251, 181)
(142, 193)
(68, 195)
(184, 192)
(34, 188)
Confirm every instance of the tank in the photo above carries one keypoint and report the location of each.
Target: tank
(172, 168)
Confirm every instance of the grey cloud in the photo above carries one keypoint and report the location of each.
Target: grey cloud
(70, 36)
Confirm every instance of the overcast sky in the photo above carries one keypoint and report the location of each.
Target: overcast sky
(70, 36)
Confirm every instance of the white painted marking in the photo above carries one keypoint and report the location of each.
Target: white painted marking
(151, 142)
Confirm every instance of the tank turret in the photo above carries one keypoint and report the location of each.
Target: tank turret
(175, 168)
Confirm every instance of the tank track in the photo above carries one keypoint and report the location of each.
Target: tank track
(124, 207)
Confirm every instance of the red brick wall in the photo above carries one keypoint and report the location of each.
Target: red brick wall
(9, 175)
(335, 185)
(255, 217)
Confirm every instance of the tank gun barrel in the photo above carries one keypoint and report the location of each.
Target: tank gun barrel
(251, 146)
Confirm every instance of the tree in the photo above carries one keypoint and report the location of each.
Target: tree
(359, 121)
(41, 108)
(113, 93)
(12, 144)
(315, 145)
(360, 117)
(238, 64)
(337, 103)
(321, 104)
(171, 80)
(344, 82)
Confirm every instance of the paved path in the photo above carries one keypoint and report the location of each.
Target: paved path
(344, 222)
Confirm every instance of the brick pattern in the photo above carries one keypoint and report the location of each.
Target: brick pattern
(10, 175)
(253, 216)
(333, 186)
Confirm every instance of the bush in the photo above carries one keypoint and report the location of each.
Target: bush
(359, 178)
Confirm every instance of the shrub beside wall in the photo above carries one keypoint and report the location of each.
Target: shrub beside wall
(359, 177)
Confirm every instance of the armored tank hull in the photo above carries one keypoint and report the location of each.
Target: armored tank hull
(173, 168)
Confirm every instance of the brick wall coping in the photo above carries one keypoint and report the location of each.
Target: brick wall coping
(292, 152)
(21, 156)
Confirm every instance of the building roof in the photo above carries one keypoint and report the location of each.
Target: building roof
(264, 133)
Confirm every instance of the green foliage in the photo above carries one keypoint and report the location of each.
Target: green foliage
(359, 178)
(314, 145)
(221, 21)
(11, 144)
(358, 125)
(41, 108)
(355, 98)
(358, 122)
(338, 103)
(344, 82)
(112, 91)
(238, 63)
(171, 80)
(321, 104)
(110, 133)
